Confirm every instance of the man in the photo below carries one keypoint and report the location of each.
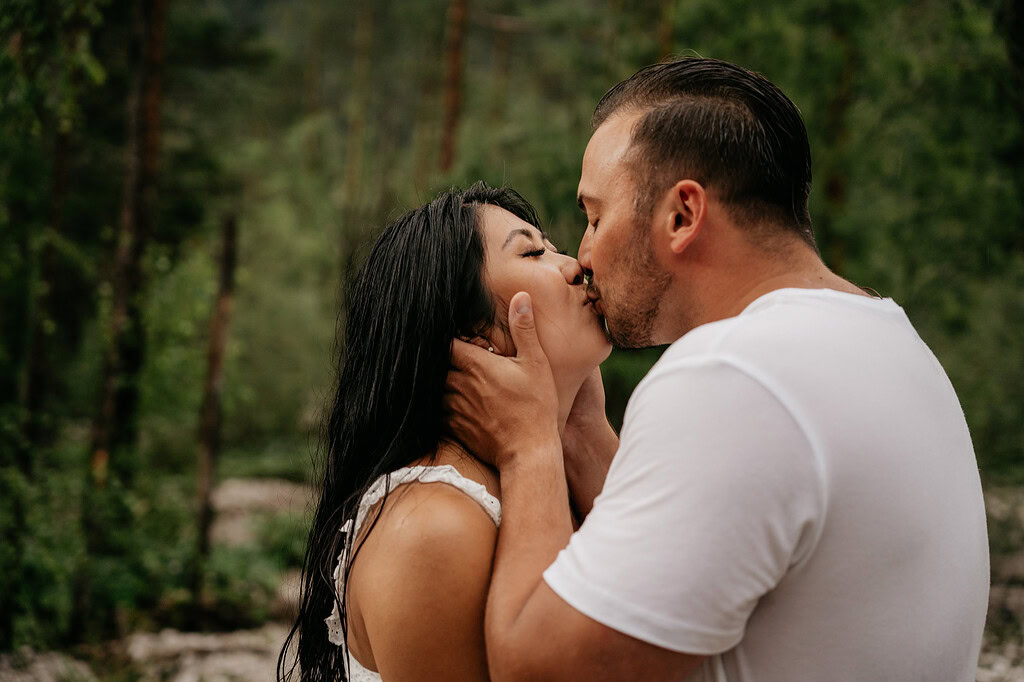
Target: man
(795, 495)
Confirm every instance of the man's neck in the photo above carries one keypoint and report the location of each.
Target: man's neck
(815, 278)
(725, 291)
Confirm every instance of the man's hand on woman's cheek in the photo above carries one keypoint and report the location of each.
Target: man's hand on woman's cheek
(499, 407)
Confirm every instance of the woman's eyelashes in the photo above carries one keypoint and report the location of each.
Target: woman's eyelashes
(541, 252)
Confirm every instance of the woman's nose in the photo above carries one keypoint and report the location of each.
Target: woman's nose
(573, 271)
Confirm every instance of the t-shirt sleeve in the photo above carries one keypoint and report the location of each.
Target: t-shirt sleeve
(714, 494)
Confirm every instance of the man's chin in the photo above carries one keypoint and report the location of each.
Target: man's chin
(627, 337)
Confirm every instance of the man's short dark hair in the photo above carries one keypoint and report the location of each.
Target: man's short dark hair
(724, 126)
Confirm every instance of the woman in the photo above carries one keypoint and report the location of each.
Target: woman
(399, 555)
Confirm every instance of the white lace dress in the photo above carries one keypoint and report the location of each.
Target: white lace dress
(422, 474)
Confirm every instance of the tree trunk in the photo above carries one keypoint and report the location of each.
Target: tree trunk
(105, 512)
(358, 104)
(455, 39)
(502, 56)
(665, 44)
(14, 530)
(834, 248)
(115, 426)
(612, 30)
(210, 413)
(312, 74)
(38, 375)
(353, 202)
(1013, 26)
(425, 133)
(1010, 19)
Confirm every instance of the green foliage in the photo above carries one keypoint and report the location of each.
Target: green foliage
(283, 538)
(177, 317)
(244, 581)
(275, 113)
(146, 582)
(621, 373)
(290, 459)
(153, 548)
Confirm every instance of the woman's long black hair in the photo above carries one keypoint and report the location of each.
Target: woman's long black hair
(420, 287)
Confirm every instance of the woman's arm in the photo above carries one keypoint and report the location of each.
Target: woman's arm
(422, 599)
(588, 445)
(588, 451)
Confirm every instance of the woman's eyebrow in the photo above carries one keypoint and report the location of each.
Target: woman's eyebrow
(520, 231)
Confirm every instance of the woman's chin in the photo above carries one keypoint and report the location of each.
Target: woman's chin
(603, 344)
(575, 358)
(590, 355)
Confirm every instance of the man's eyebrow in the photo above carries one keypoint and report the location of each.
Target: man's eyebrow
(524, 232)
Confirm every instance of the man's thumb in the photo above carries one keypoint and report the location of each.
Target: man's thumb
(521, 322)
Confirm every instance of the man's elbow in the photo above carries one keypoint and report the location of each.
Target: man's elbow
(515, 667)
(512, 658)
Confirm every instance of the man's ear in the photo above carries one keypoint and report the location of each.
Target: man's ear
(685, 206)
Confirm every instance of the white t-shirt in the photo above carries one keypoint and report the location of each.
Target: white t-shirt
(796, 496)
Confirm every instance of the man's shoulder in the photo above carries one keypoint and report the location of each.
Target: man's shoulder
(805, 323)
(729, 353)
(735, 338)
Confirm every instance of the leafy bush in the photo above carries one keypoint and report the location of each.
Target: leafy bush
(282, 538)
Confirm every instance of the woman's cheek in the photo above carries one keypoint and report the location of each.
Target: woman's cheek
(556, 336)
(548, 335)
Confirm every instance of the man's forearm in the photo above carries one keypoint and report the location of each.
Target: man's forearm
(536, 524)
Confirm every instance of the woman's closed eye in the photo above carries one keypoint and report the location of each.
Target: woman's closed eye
(541, 252)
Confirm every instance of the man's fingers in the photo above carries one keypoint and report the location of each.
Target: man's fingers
(481, 342)
(449, 403)
(524, 329)
(454, 406)
(455, 385)
(464, 354)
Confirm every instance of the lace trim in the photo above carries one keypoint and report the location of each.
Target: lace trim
(444, 473)
(357, 673)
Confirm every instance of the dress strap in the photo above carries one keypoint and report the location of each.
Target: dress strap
(444, 473)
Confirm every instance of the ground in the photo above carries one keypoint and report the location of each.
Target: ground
(1002, 655)
(251, 655)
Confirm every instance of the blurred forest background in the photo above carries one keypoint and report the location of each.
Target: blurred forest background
(183, 186)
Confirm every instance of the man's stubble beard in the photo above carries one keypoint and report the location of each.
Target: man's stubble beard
(631, 316)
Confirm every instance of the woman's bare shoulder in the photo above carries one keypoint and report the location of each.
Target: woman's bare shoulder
(430, 522)
(419, 584)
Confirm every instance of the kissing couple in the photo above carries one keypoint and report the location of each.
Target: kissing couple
(794, 493)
